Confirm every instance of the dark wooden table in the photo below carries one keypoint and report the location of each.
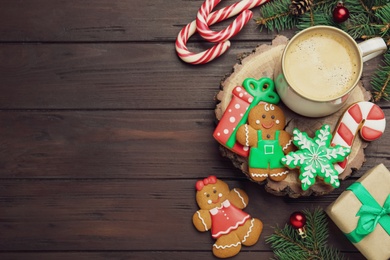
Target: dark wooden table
(104, 132)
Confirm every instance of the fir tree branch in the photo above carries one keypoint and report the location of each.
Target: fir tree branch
(380, 81)
(288, 245)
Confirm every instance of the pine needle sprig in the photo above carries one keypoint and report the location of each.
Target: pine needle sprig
(380, 81)
(368, 19)
(359, 26)
(277, 16)
(314, 17)
(288, 245)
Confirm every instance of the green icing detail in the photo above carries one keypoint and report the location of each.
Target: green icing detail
(261, 90)
(315, 157)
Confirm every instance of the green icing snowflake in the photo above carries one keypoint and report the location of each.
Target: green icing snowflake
(316, 157)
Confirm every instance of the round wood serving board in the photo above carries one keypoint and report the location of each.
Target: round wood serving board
(261, 63)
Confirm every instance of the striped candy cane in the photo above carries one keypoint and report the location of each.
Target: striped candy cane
(197, 58)
(226, 34)
(217, 16)
(364, 116)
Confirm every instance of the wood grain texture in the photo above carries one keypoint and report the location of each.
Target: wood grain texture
(104, 132)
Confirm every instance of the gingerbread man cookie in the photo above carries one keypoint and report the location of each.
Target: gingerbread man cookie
(267, 140)
(221, 211)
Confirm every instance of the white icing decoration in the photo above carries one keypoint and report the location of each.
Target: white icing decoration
(246, 135)
(204, 224)
(227, 246)
(287, 145)
(239, 195)
(232, 119)
(249, 231)
(279, 173)
(259, 174)
(257, 122)
(226, 131)
(237, 106)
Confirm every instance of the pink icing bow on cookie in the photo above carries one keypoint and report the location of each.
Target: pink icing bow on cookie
(209, 180)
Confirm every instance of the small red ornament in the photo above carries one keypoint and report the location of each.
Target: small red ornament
(340, 13)
(298, 221)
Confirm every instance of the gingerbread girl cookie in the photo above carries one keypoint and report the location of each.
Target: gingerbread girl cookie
(267, 140)
(221, 211)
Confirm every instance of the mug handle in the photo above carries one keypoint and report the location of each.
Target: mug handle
(372, 47)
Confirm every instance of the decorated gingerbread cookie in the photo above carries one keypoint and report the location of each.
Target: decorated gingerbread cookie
(244, 98)
(221, 212)
(234, 101)
(267, 140)
(315, 157)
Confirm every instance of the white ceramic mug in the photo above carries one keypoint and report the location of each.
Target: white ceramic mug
(320, 67)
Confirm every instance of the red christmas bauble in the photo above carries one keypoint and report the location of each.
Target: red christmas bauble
(297, 220)
(340, 13)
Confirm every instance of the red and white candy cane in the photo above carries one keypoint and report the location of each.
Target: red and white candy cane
(222, 46)
(197, 58)
(364, 116)
(226, 34)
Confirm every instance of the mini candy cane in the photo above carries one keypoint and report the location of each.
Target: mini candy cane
(364, 116)
(221, 47)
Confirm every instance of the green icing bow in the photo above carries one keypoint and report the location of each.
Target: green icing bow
(261, 90)
(370, 214)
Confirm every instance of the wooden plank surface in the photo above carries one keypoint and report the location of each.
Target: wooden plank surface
(104, 132)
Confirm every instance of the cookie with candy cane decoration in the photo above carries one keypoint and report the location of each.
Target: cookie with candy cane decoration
(365, 117)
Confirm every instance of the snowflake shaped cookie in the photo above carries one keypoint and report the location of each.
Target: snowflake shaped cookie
(315, 157)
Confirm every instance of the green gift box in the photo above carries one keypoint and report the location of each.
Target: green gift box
(362, 212)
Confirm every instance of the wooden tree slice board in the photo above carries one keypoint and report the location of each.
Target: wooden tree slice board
(261, 63)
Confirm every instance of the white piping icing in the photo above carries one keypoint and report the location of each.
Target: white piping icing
(287, 145)
(227, 246)
(279, 174)
(204, 224)
(239, 195)
(249, 231)
(259, 175)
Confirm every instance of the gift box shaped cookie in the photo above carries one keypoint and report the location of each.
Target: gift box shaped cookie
(362, 212)
(244, 98)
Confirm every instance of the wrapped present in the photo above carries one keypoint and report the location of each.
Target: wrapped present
(236, 114)
(362, 212)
